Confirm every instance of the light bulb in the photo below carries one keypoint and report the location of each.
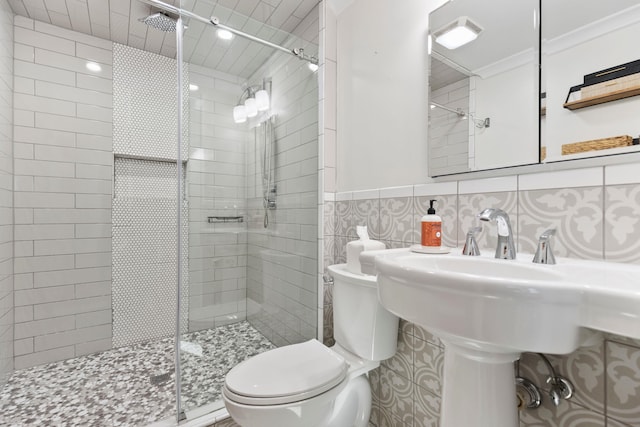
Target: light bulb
(239, 114)
(313, 67)
(224, 34)
(262, 100)
(251, 106)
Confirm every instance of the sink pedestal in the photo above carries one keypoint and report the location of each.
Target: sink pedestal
(478, 388)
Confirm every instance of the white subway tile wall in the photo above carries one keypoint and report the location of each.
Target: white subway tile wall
(6, 193)
(216, 187)
(63, 168)
(448, 132)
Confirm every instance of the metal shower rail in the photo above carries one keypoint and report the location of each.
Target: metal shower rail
(479, 123)
(457, 111)
(297, 52)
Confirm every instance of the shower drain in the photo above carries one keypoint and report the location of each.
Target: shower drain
(161, 378)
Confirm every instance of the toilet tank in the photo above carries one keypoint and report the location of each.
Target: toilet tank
(361, 325)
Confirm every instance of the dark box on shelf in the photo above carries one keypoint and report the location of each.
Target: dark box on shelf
(612, 73)
(574, 94)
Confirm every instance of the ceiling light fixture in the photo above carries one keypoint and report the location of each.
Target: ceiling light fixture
(224, 34)
(93, 66)
(457, 33)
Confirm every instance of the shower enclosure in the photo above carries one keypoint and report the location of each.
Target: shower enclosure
(193, 242)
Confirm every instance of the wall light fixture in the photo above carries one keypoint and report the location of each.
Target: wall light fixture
(254, 99)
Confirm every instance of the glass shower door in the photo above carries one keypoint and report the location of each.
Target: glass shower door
(250, 284)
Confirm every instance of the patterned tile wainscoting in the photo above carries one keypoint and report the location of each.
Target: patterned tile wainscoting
(596, 214)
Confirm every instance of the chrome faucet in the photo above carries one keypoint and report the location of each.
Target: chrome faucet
(506, 248)
(544, 255)
(470, 245)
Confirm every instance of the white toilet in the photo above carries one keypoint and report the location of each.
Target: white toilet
(309, 384)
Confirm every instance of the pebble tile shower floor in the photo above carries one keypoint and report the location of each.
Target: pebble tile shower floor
(114, 388)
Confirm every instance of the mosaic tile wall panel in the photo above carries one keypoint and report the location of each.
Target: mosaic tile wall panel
(282, 278)
(145, 117)
(63, 168)
(6, 192)
(593, 222)
(216, 187)
(144, 251)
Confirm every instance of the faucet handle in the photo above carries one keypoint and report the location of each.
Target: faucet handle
(544, 255)
(470, 244)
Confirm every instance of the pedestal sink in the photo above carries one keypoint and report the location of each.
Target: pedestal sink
(487, 311)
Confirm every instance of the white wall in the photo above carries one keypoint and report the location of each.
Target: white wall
(63, 169)
(382, 93)
(6, 192)
(566, 68)
(508, 100)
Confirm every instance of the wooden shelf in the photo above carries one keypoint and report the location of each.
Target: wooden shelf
(601, 99)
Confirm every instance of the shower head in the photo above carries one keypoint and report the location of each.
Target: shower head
(160, 21)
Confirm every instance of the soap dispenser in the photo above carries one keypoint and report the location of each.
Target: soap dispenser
(431, 227)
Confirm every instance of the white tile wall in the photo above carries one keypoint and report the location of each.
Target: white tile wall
(283, 268)
(217, 187)
(587, 177)
(63, 170)
(6, 191)
(448, 133)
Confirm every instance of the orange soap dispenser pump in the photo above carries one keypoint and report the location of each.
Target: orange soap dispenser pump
(431, 227)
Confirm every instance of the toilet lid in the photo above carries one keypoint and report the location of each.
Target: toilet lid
(286, 374)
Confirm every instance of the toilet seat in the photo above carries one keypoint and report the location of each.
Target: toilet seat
(287, 374)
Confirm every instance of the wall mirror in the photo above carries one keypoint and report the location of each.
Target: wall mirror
(483, 94)
(591, 77)
(584, 104)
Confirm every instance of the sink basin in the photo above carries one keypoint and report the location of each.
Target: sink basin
(487, 311)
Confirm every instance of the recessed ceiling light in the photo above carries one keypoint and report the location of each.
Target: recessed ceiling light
(458, 33)
(224, 34)
(193, 87)
(92, 66)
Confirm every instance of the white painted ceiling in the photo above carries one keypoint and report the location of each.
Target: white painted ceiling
(508, 25)
(117, 20)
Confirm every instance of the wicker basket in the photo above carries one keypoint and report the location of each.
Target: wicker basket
(597, 144)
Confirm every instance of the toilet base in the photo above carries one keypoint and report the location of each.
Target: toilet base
(352, 407)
